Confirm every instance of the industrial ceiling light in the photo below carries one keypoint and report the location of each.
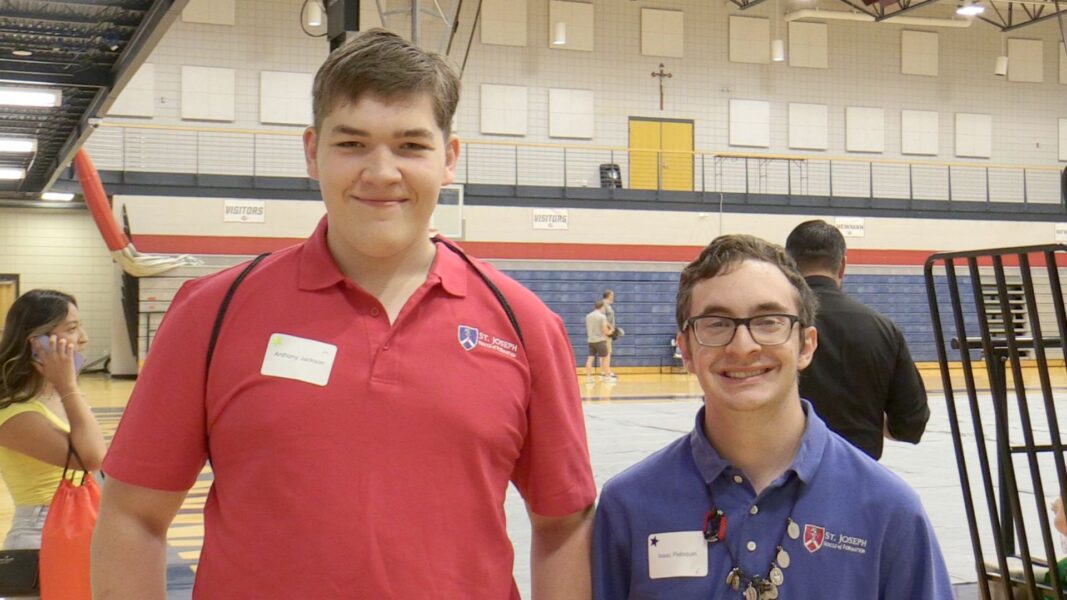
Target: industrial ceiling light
(777, 45)
(970, 8)
(10, 96)
(57, 196)
(1000, 69)
(22, 53)
(18, 145)
(12, 173)
(777, 50)
(314, 14)
(559, 37)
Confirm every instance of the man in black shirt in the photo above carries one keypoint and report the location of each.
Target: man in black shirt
(862, 380)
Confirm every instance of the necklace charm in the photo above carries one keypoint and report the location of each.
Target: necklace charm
(751, 593)
(775, 575)
(782, 558)
(733, 579)
(792, 529)
(768, 591)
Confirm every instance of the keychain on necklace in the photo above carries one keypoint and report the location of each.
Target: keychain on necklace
(752, 587)
(714, 525)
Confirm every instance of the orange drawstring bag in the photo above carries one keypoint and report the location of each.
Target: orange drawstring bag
(65, 538)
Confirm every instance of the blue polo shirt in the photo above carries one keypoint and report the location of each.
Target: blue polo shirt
(863, 533)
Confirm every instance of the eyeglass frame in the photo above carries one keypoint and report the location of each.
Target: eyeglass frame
(738, 322)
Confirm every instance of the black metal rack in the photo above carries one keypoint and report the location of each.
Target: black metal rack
(977, 318)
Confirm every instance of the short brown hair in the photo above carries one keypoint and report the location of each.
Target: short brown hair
(381, 63)
(728, 251)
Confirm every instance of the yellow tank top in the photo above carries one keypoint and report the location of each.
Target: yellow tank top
(29, 480)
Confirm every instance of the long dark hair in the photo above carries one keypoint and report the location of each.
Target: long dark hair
(34, 313)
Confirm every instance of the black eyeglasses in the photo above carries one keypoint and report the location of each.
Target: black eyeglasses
(766, 330)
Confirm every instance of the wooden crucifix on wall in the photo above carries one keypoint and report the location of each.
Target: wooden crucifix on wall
(661, 75)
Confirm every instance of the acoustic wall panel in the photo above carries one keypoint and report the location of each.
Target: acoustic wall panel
(1063, 139)
(212, 12)
(662, 32)
(285, 98)
(1063, 65)
(919, 53)
(570, 113)
(577, 18)
(750, 40)
(503, 22)
(1026, 61)
(864, 129)
(750, 123)
(974, 135)
(503, 109)
(808, 126)
(919, 132)
(208, 93)
(808, 45)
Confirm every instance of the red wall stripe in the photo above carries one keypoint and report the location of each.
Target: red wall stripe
(194, 244)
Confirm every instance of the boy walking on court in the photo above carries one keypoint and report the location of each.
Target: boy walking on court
(339, 470)
(598, 331)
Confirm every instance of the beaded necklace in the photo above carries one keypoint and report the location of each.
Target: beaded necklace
(753, 587)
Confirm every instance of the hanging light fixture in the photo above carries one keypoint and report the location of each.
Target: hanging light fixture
(1000, 69)
(777, 44)
(559, 36)
(314, 14)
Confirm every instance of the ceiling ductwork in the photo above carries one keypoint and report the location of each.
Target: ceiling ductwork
(814, 14)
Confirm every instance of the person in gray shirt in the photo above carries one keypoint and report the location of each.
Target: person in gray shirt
(597, 331)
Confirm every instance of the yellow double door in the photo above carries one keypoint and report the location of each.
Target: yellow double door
(661, 154)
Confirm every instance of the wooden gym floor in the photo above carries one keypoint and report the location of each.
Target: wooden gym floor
(626, 420)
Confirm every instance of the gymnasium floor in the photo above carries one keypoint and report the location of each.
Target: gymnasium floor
(626, 420)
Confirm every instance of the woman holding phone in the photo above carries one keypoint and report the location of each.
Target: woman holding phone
(42, 411)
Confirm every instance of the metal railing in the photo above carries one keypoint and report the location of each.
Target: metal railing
(250, 152)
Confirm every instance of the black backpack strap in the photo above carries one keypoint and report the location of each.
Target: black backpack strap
(222, 310)
(489, 282)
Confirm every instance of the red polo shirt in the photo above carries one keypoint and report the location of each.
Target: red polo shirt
(389, 480)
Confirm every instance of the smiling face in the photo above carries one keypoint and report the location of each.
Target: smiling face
(744, 376)
(380, 164)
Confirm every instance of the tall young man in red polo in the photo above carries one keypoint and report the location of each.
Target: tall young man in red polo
(369, 398)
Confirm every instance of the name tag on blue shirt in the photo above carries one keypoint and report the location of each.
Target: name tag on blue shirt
(291, 357)
(677, 554)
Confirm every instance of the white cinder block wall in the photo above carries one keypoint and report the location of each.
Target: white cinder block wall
(864, 71)
(62, 249)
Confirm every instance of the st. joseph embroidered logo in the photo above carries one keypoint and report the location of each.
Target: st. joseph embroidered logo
(813, 537)
(473, 337)
(817, 538)
(468, 337)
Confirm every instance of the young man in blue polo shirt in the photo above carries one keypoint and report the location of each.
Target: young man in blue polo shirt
(760, 500)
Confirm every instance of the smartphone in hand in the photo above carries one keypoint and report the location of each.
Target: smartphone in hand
(46, 342)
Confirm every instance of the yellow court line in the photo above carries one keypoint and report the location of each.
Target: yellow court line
(183, 531)
(190, 555)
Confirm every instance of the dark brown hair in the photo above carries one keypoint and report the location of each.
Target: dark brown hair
(726, 252)
(381, 63)
(34, 313)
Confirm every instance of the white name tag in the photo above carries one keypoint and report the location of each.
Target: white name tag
(296, 358)
(677, 554)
